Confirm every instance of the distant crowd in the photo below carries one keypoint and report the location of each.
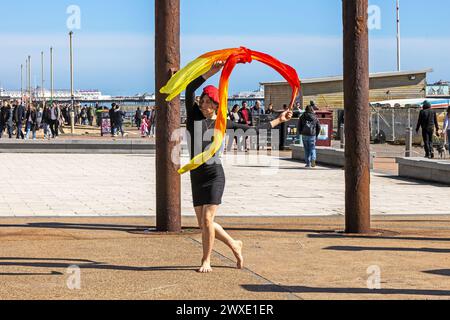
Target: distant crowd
(22, 122)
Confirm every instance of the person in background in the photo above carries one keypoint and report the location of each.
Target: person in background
(270, 110)
(144, 127)
(236, 118)
(60, 121)
(84, 116)
(298, 110)
(91, 115)
(245, 114)
(148, 113)
(152, 122)
(138, 118)
(118, 120)
(39, 115)
(428, 121)
(309, 127)
(111, 119)
(19, 116)
(9, 119)
(447, 127)
(2, 118)
(257, 110)
(312, 104)
(246, 119)
(234, 114)
(55, 114)
(46, 121)
(31, 122)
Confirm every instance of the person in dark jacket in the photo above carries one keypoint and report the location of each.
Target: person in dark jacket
(31, 122)
(428, 121)
(8, 116)
(118, 120)
(46, 120)
(2, 118)
(111, 119)
(19, 116)
(309, 127)
(138, 118)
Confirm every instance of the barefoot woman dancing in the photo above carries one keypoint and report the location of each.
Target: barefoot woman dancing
(208, 181)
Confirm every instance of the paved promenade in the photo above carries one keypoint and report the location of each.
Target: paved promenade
(40, 185)
(124, 185)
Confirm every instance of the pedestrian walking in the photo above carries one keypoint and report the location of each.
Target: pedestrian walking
(428, 122)
(446, 131)
(111, 119)
(55, 114)
(31, 122)
(19, 117)
(118, 120)
(309, 127)
(138, 118)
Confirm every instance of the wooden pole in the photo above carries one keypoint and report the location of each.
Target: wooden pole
(357, 114)
(167, 62)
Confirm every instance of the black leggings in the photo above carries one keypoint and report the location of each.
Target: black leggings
(427, 136)
(54, 127)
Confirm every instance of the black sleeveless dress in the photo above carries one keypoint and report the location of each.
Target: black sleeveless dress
(207, 181)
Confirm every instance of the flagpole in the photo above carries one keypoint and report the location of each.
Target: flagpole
(398, 38)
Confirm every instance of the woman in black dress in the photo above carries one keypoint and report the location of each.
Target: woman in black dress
(208, 181)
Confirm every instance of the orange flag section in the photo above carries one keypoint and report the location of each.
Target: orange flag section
(203, 64)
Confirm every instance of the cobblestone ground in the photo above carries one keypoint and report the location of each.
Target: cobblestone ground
(124, 185)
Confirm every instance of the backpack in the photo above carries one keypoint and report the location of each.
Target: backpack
(309, 127)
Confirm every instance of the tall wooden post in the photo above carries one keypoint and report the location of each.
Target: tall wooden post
(167, 62)
(357, 113)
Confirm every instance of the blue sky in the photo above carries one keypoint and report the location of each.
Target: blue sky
(114, 47)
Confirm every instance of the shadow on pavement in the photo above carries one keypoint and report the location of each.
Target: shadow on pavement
(413, 182)
(58, 263)
(301, 289)
(443, 272)
(343, 236)
(142, 229)
(355, 249)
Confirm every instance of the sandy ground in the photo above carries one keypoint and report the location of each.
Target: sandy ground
(286, 258)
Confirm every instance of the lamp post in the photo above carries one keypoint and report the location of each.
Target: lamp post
(29, 79)
(72, 98)
(399, 66)
(21, 81)
(51, 75)
(42, 78)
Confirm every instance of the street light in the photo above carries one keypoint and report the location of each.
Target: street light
(29, 78)
(21, 81)
(72, 109)
(42, 78)
(398, 38)
(51, 74)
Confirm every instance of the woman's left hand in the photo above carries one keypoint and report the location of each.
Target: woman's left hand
(286, 116)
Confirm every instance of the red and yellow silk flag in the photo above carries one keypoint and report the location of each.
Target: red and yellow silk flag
(202, 65)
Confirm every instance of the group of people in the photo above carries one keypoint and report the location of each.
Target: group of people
(116, 116)
(15, 116)
(428, 122)
(146, 121)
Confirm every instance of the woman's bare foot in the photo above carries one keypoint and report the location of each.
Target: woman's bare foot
(206, 267)
(237, 250)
